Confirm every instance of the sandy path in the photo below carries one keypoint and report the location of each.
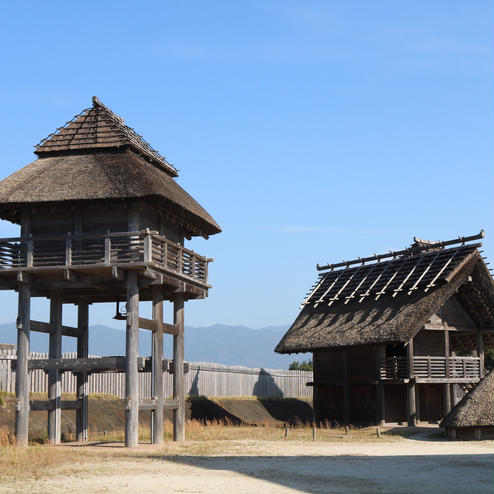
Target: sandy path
(404, 467)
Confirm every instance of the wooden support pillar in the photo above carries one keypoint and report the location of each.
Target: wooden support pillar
(22, 370)
(411, 403)
(381, 412)
(417, 402)
(380, 403)
(132, 352)
(446, 387)
(157, 368)
(82, 377)
(446, 398)
(316, 418)
(54, 376)
(178, 370)
(480, 352)
(446, 352)
(346, 388)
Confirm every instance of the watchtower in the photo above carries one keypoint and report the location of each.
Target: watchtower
(102, 219)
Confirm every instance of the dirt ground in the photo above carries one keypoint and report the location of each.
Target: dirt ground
(403, 466)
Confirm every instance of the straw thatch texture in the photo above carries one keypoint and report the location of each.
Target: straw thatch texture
(386, 320)
(99, 176)
(476, 409)
(96, 128)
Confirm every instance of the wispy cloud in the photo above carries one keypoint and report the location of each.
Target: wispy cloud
(294, 229)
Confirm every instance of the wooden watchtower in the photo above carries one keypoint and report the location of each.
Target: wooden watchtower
(102, 220)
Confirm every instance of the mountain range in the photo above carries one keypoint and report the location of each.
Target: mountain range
(229, 345)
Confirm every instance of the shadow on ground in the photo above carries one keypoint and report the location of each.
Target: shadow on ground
(424, 474)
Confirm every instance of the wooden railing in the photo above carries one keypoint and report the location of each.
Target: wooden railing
(393, 368)
(431, 368)
(108, 249)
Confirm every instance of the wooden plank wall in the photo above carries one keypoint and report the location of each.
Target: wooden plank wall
(202, 379)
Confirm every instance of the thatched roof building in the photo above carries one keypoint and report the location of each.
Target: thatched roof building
(390, 301)
(96, 157)
(475, 411)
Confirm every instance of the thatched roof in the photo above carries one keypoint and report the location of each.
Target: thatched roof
(476, 408)
(389, 302)
(99, 128)
(111, 164)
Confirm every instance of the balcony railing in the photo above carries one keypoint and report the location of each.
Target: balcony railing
(431, 368)
(145, 247)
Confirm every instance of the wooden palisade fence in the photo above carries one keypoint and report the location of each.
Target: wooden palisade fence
(201, 379)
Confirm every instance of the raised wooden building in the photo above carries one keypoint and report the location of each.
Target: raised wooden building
(102, 219)
(392, 333)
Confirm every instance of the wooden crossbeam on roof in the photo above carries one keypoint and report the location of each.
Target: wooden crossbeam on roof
(419, 268)
(335, 297)
(431, 284)
(321, 298)
(425, 245)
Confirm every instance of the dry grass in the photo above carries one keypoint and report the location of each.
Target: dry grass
(210, 438)
(210, 430)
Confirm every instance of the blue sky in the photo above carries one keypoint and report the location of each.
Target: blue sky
(311, 131)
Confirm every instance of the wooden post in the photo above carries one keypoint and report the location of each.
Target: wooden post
(380, 408)
(411, 403)
(54, 376)
(446, 387)
(381, 411)
(446, 352)
(178, 370)
(480, 351)
(447, 398)
(82, 377)
(132, 352)
(22, 371)
(346, 388)
(315, 390)
(157, 367)
(417, 403)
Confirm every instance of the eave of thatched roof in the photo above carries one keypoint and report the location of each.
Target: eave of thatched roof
(476, 408)
(99, 175)
(387, 319)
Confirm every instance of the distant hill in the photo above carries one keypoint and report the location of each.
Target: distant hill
(229, 345)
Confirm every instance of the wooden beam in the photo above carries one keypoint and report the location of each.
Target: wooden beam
(54, 376)
(411, 403)
(380, 399)
(157, 368)
(171, 404)
(178, 370)
(173, 329)
(48, 405)
(22, 367)
(147, 404)
(131, 367)
(480, 351)
(96, 364)
(150, 404)
(149, 324)
(82, 377)
(45, 327)
(346, 388)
